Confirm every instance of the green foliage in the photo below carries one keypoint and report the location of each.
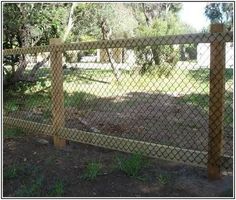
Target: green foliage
(92, 170)
(89, 16)
(17, 170)
(11, 106)
(41, 20)
(35, 186)
(78, 98)
(132, 165)
(47, 114)
(58, 189)
(32, 190)
(163, 179)
(220, 13)
(11, 172)
(164, 70)
(12, 132)
(159, 55)
(27, 25)
(192, 51)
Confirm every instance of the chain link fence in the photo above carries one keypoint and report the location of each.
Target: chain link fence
(147, 95)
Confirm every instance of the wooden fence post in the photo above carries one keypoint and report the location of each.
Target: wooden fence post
(216, 104)
(58, 116)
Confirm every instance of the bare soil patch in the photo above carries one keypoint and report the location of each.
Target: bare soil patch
(157, 118)
(158, 179)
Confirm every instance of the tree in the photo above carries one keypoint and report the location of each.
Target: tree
(220, 13)
(89, 16)
(146, 13)
(30, 24)
(163, 22)
(27, 25)
(105, 21)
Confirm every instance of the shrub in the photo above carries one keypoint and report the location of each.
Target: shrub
(32, 190)
(58, 189)
(13, 132)
(92, 171)
(132, 165)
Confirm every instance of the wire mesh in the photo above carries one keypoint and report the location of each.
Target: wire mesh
(146, 95)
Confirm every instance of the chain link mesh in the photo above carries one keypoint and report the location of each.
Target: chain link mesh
(148, 95)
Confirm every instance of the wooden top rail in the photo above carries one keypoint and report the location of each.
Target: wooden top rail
(128, 43)
(26, 50)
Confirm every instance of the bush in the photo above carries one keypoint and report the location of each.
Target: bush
(57, 189)
(162, 71)
(92, 171)
(13, 132)
(158, 55)
(150, 58)
(132, 165)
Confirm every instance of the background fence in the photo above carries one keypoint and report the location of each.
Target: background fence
(146, 95)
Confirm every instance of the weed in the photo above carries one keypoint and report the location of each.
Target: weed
(11, 106)
(12, 132)
(50, 160)
(58, 189)
(92, 171)
(17, 170)
(32, 190)
(10, 172)
(163, 179)
(142, 178)
(47, 114)
(131, 166)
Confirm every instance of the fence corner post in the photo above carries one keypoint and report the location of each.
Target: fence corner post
(216, 104)
(58, 116)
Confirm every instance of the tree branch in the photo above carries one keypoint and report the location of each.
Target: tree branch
(70, 21)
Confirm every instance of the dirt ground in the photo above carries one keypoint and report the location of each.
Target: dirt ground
(157, 118)
(159, 178)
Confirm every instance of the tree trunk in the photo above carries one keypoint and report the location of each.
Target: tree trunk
(108, 51)
(70, 21)
(18, 75)
(153, 50)
(22, 39)
(146, 16)
(32, 75)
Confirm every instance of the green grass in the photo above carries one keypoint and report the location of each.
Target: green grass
(12, 172)
(163, 179)
(57, 189)
(84, 88)
(77, 98)
(179, 80)
(12, 132)
(11, 106)
(31, 190)
(132, 165)
(32, 181)
(92, 170)
(27, 101)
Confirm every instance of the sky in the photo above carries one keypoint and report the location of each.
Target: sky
(193, 13)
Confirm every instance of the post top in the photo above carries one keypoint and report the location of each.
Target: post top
(217, 28)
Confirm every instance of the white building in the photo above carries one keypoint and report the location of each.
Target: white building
(203, 55)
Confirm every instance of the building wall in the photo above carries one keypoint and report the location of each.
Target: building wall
(203, 55)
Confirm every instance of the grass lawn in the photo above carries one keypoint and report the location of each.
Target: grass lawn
(87, 86)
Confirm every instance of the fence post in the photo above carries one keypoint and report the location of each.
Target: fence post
(58, 116)
(216, 104)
